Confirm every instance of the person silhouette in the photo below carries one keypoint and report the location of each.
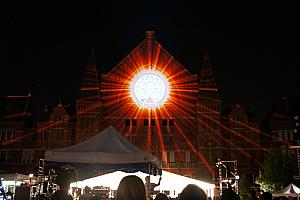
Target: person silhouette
(63, 192)
(131, 187)
(150, 186)
(87, 194)
(267, 196)
(2, 192)
(161, 196)
(192, 192)
(229, 194)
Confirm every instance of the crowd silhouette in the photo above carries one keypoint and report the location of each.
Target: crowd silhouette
(132, 187)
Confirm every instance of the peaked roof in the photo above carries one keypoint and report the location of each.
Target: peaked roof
(107, 151)
(207, 84)
(289, 191)
(108, 141)
(16, 108)
(90, 83)
(149, 53)
(207, 78)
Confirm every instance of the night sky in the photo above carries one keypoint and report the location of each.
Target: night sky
(254, 48)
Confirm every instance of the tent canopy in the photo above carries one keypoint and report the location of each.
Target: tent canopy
(106, 152)
(289, 191)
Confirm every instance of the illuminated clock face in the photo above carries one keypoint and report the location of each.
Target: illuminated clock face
(149, 89)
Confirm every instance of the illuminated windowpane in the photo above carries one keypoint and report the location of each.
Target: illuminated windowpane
(164, 156)
(171, 158)
(187, 156)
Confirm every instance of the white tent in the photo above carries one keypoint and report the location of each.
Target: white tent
(170, 182)
(289, 191)
(106, 152)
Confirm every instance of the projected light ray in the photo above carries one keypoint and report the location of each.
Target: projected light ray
(224, 139)
(206, 163)
(233, 131)
(256, 130)
(159, 133)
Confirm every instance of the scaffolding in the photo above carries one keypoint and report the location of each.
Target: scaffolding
(228, 175)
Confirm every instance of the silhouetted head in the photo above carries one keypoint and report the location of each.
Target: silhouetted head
(147, 179)
(63, 179)
(131, 187)
(267, 196)
(64, 184)
(87, 189)
(192, 192)
(161, 196)
(229, 195)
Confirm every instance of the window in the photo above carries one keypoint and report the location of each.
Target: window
(13, 135)
(280, 135)
(92, 123)
(291, 135)
(81, 122)
(8, 135)
(54, 134)
(2, 135)
(164, 122)
(58, 134)
(286, 136)
(146, 122)
(87, 123)
(45, 135)
(127, 122)
(171, 122)
(28, 156)
(252, 135)
(283, 150)
(187, 156)
(152, 122)
(3, 156)
(164, 156)
(171, 158)
(133, 122)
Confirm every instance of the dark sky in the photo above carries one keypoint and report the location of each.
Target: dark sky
(254, 48)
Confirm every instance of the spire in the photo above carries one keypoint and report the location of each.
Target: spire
(150, 39)
(207, 84)
(207, 79)
(28, 105)
(90, 83)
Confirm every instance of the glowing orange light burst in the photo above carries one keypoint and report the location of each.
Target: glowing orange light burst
(149, 89)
